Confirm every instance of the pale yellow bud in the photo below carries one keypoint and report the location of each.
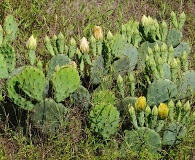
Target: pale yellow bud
(31, 43)
(84, 45)
(163, 111)
(155, 111)
(98, 33)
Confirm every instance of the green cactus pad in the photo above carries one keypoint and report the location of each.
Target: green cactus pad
(174, 133)
(97, 70)
(57, 60)
(10, 28)
(183, 46)
(47, 115)
(103, 96)
(65, 81)
(166, 71)
(9, 55)
(121, 66)
(143, 138)
(81, 98)
(174, 37)
(104, 119)
(32, 82)
(3, 68)
(160, 91)
(25, 85)
(186, 85)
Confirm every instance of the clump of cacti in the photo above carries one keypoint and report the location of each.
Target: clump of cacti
(157, 126)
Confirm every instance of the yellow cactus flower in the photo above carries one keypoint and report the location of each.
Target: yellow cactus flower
(84, 45)
(98, 33)
(163, 111)
(140, 104)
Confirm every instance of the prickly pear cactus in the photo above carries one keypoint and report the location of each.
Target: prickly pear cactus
(81, 98)
(160, 91)
(186, 85)
(9, 55)
(97, 70)
(143, 138)
(120, 66)
(174, 37)
(121, 48)
(47, 115)
(10, 28)
(25, 85)
(65, 81)
(183, 46)
(174, 133)
(3, 67)
(104, 119)
(57, 60)
(103, 96)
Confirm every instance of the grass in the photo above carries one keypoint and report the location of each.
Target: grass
(76, 19)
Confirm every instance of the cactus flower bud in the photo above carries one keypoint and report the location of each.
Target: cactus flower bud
(171, 49)
(109, 35)
(150, 51)
(131, 77)
(178, 104)
(31, 43)
(73, 42)
(163, 47)
(171, 104)
(98, 33)
(92, 39)
(140, 104)
(174, 63)
(119, 79)
(174, 19)
(182, 19)
(156, 48)
(164, 24)
(144, 20)
(187, 106)
(131, 110)
(155, 111)
(148, 110)
(163, 111)
(84, 45)
(184, 56)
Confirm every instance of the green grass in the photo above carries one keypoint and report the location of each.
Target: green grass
(76, 19)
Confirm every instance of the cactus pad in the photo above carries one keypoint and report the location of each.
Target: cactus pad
(104, 96)
(10, 27)
(174, 133)
(97, 70)
(65, 81)
(3, 67)
(143, 138)
(24, 85)
(186, 85)
(160, 91)
(174, 37)
(9, 55)
(81, 97)
(104, 119)
(47, 115)
(57, 60)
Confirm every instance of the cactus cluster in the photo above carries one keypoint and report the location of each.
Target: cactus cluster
(155, 127)
(103, 75)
